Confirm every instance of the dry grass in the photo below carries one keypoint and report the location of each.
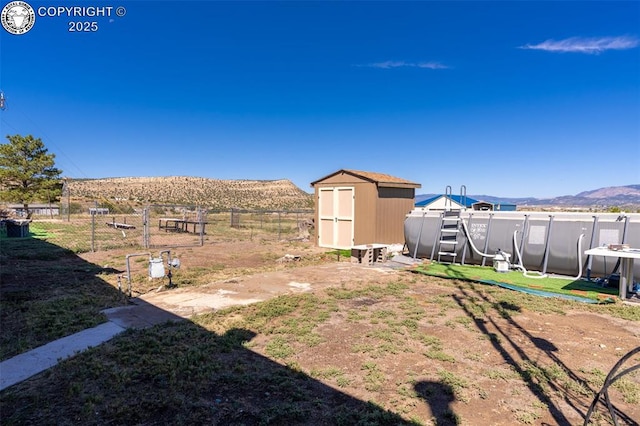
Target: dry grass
(401, 349)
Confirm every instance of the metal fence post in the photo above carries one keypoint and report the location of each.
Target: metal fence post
(545, 259)
(486, 242)
(202, 215)
(593, 236)
(145, 228)
(279, 226)
(235, 218)
(93, 227)
(68, 201)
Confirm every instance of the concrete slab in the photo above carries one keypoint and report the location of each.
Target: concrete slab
(406, 260)
(187, 304)
(140, 314)
(23, 366)
(244, 290)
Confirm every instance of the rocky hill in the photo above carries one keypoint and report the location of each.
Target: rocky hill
(628, 192)
(614, 196)
(193, 191)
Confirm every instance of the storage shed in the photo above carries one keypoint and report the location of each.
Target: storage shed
(357, 207)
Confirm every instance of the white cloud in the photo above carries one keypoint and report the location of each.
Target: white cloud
(403, 64)
(432, 65)
(592, 45)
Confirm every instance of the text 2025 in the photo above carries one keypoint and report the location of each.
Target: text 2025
(83, 26)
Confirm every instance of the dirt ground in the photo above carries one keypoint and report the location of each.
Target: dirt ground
(493, 354)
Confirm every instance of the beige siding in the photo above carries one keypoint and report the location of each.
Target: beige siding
(364, 208)
(378, 214)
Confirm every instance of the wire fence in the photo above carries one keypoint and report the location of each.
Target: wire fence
(270, 224)
(160, 226)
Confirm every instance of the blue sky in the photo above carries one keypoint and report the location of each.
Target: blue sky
(508, 98)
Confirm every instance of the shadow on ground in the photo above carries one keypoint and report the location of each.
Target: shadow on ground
(530, 365)
(175, 372)
(48, 292)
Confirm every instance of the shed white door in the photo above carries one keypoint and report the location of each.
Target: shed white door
(335, 215)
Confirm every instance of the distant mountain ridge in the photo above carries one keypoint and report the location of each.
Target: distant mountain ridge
(612, 196)
(194, 191)
(283, 194)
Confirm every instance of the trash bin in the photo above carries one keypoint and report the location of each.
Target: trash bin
(17, 229)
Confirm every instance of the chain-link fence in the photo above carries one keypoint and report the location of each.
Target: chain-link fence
(174, 226)
(272, 224)
(91, 231)
(160, 226)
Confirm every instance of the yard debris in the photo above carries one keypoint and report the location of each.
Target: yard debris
(395, 249)
(300, 286)
(289, 258)
(303, 228)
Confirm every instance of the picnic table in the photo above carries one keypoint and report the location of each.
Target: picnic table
(179, 225)
(626, 257)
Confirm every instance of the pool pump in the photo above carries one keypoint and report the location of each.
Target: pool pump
(501, 262)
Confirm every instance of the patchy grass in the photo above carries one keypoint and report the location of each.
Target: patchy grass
(47, 292)
(568, 287)
(77, 235)
(409, 349)
(255, 365)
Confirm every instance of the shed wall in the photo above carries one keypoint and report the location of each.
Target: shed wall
(393, 205)
(366, 215)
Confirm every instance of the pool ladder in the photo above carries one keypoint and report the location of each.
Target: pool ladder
(450, 226)
(448, 239)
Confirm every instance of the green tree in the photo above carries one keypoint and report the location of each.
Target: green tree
(28, 172)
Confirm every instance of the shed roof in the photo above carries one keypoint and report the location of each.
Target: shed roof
(380, 179)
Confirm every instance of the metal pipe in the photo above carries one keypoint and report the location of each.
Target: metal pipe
(447, 197)
(129, 268)
(169, 264)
